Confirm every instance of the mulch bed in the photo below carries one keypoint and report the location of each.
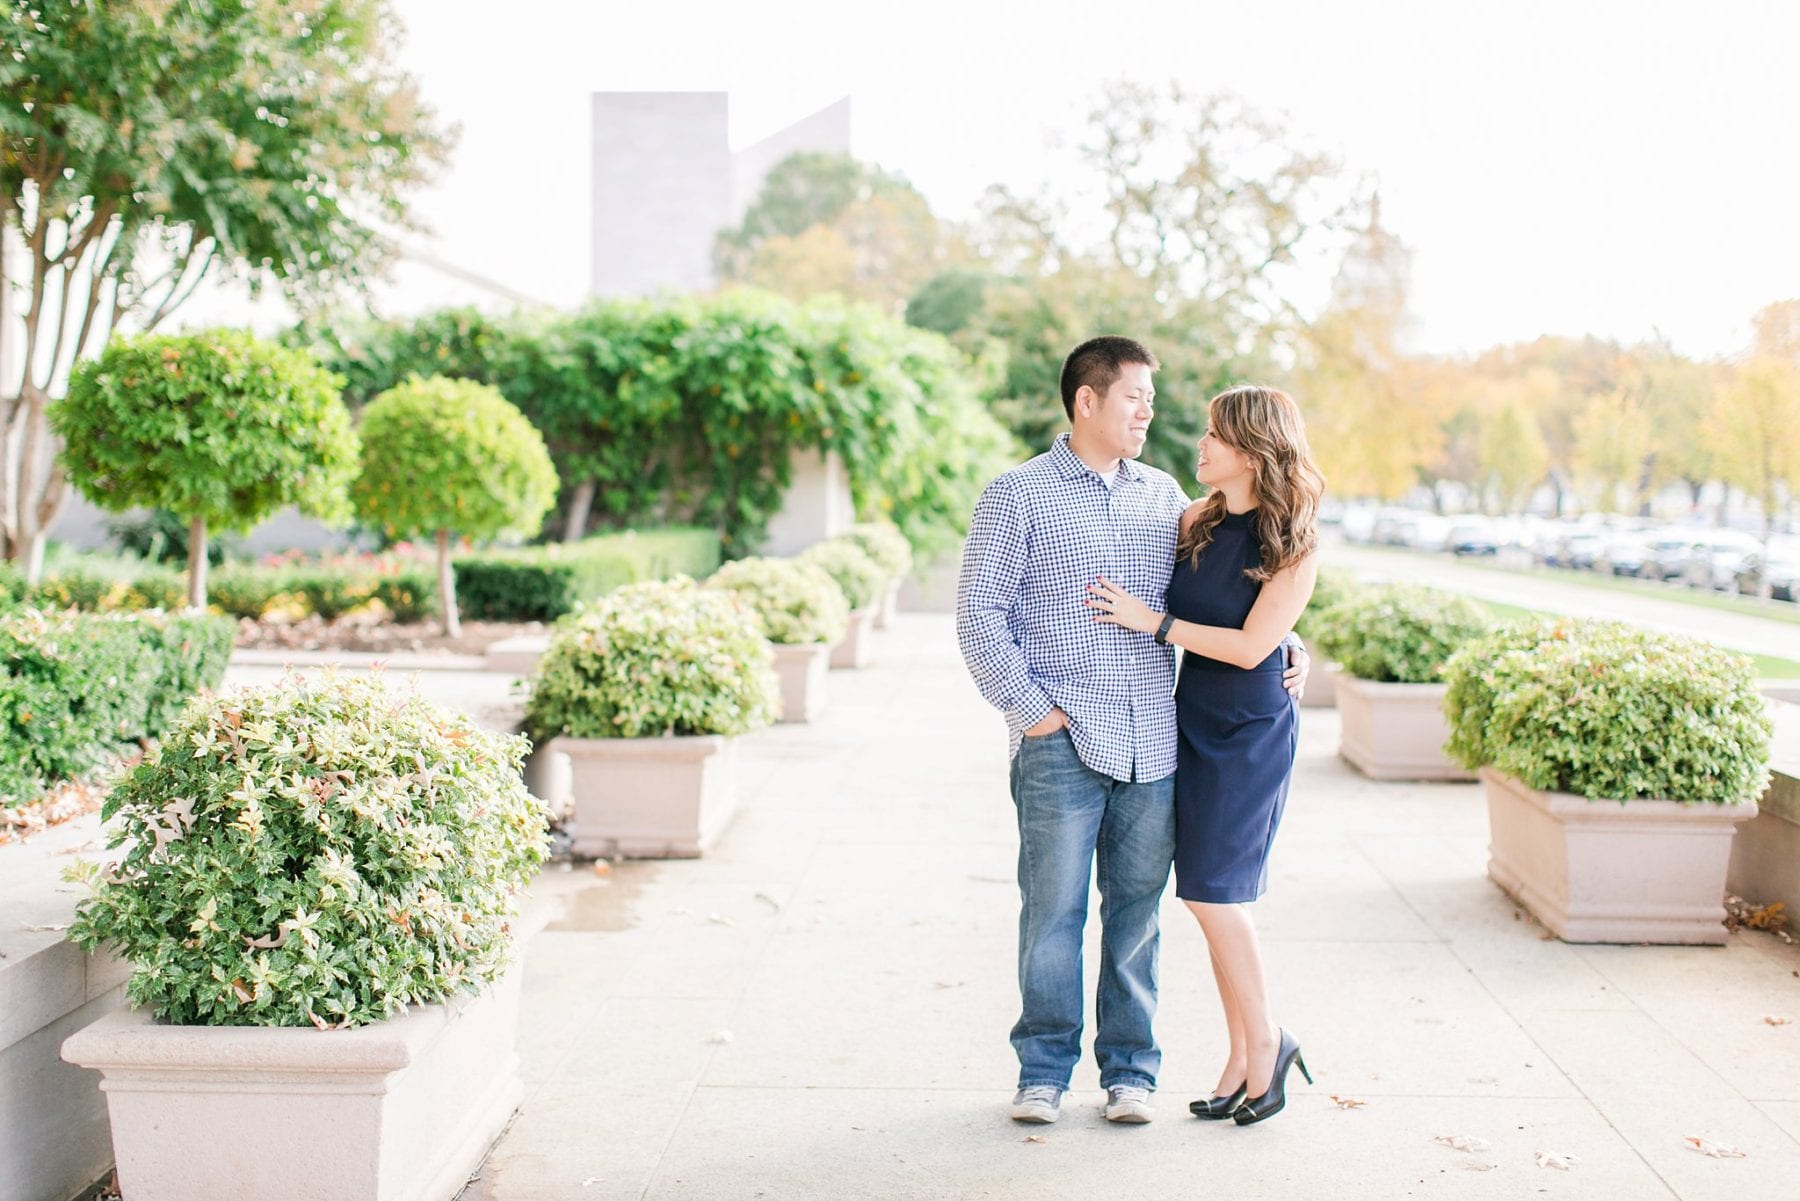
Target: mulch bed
(366, 633)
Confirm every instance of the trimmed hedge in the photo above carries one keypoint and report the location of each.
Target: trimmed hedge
(1399, 633)
(547, 582)
(1607, 710)
(75, 688)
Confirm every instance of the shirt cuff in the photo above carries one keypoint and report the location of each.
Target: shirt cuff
(1033, 708)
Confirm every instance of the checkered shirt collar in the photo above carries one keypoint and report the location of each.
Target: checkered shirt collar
(1070, 464)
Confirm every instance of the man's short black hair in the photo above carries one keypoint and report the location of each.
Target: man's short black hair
(1097, 363)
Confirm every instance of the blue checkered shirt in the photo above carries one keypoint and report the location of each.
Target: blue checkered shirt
(1041, 534)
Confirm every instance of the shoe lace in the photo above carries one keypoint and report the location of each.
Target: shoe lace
(1039, 1092)
(1128, 1092)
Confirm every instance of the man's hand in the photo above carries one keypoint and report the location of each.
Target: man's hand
(1053, 721)
(1299, 664)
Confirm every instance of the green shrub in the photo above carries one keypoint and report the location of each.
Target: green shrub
(78, 588)
(1609, 710)
(855, 574)
(315, 853)
(154, 588)
(329, 590)
(545, 583)
(445, 457)
(241, 590)
(409, 594)
(794, 602)
(1398, 633)
(660, 657)
(884, 544)
(75, 688)
(1334, 586)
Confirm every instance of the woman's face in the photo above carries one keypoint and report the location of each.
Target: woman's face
(1221, 464)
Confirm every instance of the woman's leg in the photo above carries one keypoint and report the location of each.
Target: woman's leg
(1236, 955)
(1237, 1058)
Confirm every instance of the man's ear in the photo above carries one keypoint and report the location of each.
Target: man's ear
(1086, 400)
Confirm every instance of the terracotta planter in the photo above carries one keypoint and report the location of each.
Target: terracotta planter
(889, 608)
(401, 1110)
(1611, 871)
(802, 670)
(1321, 689)
(650, 798)
(1395, 731)
(854, 649)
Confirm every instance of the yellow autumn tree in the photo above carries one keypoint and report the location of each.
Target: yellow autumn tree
(1753, 432)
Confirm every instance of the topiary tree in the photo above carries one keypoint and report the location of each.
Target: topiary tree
(795, 602)
(219, 427)
(857, 575)
(443, 457)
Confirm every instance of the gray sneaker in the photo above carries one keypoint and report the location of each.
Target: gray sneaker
(1128, 1103)
(1040, 1103)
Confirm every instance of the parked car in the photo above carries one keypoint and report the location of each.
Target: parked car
(1668, 552)
(1473, 536)
(1716, 557)
(1625, 554)
(1779, 567)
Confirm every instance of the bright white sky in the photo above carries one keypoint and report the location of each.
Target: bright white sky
(1614, 167)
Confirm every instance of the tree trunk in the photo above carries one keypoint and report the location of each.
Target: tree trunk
(580, 503)
(197, 564)
(447, 587)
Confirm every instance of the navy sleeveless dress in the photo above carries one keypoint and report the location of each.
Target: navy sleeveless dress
(1238, 730)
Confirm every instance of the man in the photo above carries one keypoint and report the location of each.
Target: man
(1091, 714)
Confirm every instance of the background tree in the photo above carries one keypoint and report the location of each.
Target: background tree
(1612, 445)
(828, 224)
(1753, 432)
(145, 146)
(1512, 455)
(218, 427)
(442, 457)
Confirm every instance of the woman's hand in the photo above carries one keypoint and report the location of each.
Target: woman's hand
(1115, 606)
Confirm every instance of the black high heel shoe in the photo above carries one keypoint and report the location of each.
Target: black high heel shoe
(1217, 1109)
(1270, 1103)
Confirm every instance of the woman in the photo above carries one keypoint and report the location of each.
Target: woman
(1244, 570)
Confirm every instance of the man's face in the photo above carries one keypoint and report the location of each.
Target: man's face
(1119, 421)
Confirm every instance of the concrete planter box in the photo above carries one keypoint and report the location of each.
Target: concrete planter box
(1395, 731)
(802, 670)
(1610, 871)
(889, 608)
(1765, 855)
(516, 656)
(53, 1113)
(401, 1110)
(1321, 689)
(650, 798)
(856, 647)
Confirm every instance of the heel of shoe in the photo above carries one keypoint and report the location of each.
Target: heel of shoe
(1300, 1062)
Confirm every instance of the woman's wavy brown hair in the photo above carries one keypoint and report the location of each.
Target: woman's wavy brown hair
(1265, 424)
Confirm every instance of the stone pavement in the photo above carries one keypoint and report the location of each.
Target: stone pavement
(819, 1008)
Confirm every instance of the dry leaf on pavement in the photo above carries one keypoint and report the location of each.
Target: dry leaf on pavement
(1034, 1138)
(1772, 1020)
(1463, 1142)
(719, 1037)
(1714, 1150)
(1348, 1102)
(601, 867)
(1562, 1163)
(719, 919)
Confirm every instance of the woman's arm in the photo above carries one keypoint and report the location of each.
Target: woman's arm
(1277, 607)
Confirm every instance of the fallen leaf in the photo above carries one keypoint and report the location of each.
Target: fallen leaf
(1476, 1165)
(719, 919)
(1714, 1150)
(49, 929)
(1348, 1102)
(1463, 1142)
(1562, 1163)
(719, 1037)
(948, 983)
(590, 1180)
(1772, 1020)
(602, 867)
(1034, 1138)
(770, 901)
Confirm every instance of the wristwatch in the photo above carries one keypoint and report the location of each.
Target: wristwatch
(1162, 631)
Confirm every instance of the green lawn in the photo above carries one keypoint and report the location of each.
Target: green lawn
(1768, 667)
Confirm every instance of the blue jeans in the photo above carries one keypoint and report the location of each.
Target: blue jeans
(1068, 813)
